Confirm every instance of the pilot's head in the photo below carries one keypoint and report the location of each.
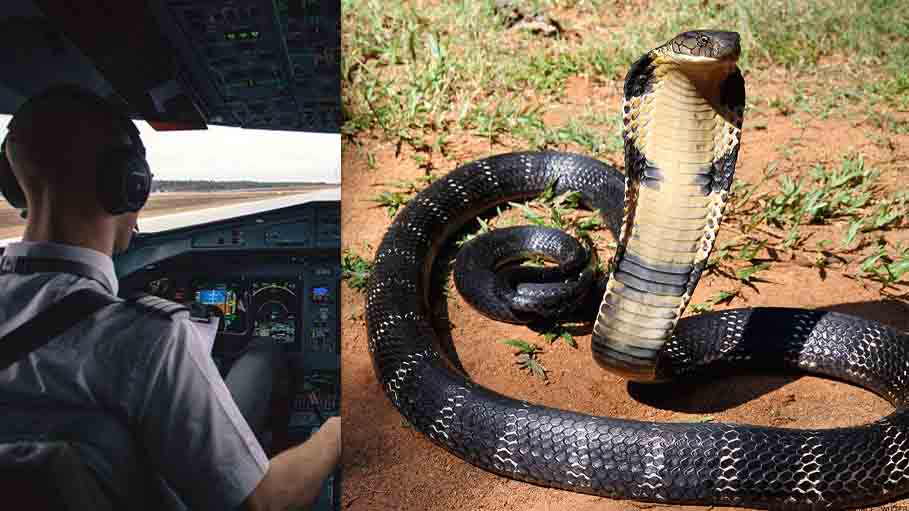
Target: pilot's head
(81, 166)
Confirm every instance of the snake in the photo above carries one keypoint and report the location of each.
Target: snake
(682, 114)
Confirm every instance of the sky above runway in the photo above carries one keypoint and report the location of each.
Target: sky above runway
(225, 154)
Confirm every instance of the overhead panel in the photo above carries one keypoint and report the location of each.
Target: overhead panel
(268, 64)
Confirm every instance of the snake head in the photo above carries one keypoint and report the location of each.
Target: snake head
(704, 47)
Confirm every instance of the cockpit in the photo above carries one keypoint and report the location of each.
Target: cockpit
(275, 275)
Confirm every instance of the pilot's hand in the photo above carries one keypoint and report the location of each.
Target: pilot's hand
(332, 427)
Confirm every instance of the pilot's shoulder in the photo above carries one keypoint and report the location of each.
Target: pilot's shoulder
(155, 306)
(152, 317)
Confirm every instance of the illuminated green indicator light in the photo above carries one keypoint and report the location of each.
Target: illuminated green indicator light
(242, 35)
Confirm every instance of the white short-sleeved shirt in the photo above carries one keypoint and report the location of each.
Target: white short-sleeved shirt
(149, 370)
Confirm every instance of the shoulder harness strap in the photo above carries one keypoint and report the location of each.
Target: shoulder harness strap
(50, 323)
(27, 265)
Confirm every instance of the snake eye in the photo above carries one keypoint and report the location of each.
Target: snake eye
(702, 41)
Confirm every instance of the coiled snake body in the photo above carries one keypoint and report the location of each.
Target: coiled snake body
(683, 110)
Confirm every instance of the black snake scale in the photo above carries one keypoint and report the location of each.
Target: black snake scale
(715, 464)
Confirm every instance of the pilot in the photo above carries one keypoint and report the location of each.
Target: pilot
(144, 365)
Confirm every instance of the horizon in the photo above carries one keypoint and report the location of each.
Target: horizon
(239, 154)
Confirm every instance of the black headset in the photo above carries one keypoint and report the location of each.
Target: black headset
(123, 178)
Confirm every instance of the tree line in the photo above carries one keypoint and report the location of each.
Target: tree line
(164, 185)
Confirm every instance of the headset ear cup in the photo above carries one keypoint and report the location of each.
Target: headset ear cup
(124, 181)
(12, 192)
(138, 183)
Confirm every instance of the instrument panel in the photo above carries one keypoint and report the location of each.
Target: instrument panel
(270, 307)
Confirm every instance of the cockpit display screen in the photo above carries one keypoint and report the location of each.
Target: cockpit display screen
(320, 294)
(225, 301)
(216, 297)
(275, 304)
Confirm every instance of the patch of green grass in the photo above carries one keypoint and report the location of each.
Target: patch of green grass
(493, 118)
(527, 357)
(748, 273)
(546, 73)
(720, 297)
(560, 212)
(886, 213)
(560, 333)
(849, 196)
(592, 141)
(888, 267)
(356, 271)
(393, 200)
(411, 71)
(888, 123)
(735, 259)
(823, 195)
(485, 226)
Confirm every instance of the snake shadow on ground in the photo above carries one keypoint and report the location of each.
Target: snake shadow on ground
(695, 394)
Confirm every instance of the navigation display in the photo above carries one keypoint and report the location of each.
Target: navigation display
(225, 301)
(217, 297)
(275, 304)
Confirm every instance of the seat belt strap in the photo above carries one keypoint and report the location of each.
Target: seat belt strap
(26, 265)
(50, 323)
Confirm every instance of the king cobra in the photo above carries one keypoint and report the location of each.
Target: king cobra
(682, 114)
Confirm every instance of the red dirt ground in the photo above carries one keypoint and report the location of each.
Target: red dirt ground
(387, 465)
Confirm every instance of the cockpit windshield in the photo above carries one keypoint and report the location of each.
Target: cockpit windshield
(204, 175)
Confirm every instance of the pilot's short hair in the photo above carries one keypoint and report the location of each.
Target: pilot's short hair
(73, 98)
(62, 103)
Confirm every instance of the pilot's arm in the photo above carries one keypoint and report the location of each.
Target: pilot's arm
(295, 476)
(202, 445)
